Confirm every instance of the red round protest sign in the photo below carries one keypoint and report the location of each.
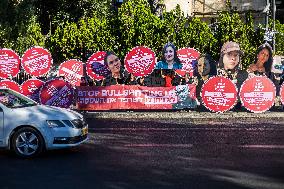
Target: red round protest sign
(57, 92)
(187, 57)
(257, 94)
(95, 66)
(37, 61)
(282, 93)
(72, 70)
(219, 94)
(9, 63)
(10, 85)
(31, 88)
(140, 61)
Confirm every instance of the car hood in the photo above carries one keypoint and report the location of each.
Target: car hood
(48, 112)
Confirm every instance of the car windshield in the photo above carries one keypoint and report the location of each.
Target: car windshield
(13, 99)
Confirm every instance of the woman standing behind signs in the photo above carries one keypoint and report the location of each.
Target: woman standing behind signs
(170, 59)
(206, 68)
(262, 65)
(118, 75)
(228, 66)
(263, 61)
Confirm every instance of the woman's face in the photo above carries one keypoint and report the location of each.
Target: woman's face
(263, 56)
(169, 53)
(231, 60)
(203, 66)
(113, 63)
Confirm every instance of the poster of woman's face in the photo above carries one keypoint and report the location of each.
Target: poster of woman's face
(263, 56)
(231, 60)
(113, 63)
(203, 66)
(169, 53)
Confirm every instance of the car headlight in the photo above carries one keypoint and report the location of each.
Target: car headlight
(54, 123)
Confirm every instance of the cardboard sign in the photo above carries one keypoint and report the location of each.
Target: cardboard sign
(135, 97)
(96, 68)
(140, 61)
(187, 57)
(72, 70)
(10, 85)
(9, 63)
(57, 92)
(219, 94)
(257, 94)
(282, 93)
(37, 61)
(31, 88)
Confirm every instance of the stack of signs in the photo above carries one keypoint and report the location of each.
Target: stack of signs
(257, 94)
(9, 63)
(10, 85)
(140, 61)
(31, 88)
(72, 70)
(96, 68)
(188, 57)
(37, 61)
(219, 94)
(282, 93)
(57, 92)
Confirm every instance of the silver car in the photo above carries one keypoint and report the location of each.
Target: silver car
(28, 128)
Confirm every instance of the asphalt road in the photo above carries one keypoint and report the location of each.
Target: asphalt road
(142, 152)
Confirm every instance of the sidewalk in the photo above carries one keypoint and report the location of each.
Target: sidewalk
(194, 117)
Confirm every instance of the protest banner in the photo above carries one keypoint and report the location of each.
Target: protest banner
(219, 94)
(95, 67)
(37, 61)
(140, 61)
(257, 94)
(31, 88)
(72, 70)
(10, 85)
(57, 92)
(135, 97)
(188, 57)
(9, 63)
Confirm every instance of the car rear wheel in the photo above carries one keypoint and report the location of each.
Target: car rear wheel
(27, 142)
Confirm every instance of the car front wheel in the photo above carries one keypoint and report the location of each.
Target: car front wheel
(27, 142)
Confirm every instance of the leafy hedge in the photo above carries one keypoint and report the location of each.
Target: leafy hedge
(134, 24)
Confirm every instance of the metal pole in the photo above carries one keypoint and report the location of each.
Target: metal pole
(266, 16)
(273, 17)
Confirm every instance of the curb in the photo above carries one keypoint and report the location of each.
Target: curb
(193, 117)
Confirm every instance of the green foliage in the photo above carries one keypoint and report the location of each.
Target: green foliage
(138, 25)
(279, 39)
(29, 36)
(79, 28)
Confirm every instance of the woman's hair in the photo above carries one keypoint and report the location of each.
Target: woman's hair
(169, 44)
(108, 53)
(212, 63)
(268, 63)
